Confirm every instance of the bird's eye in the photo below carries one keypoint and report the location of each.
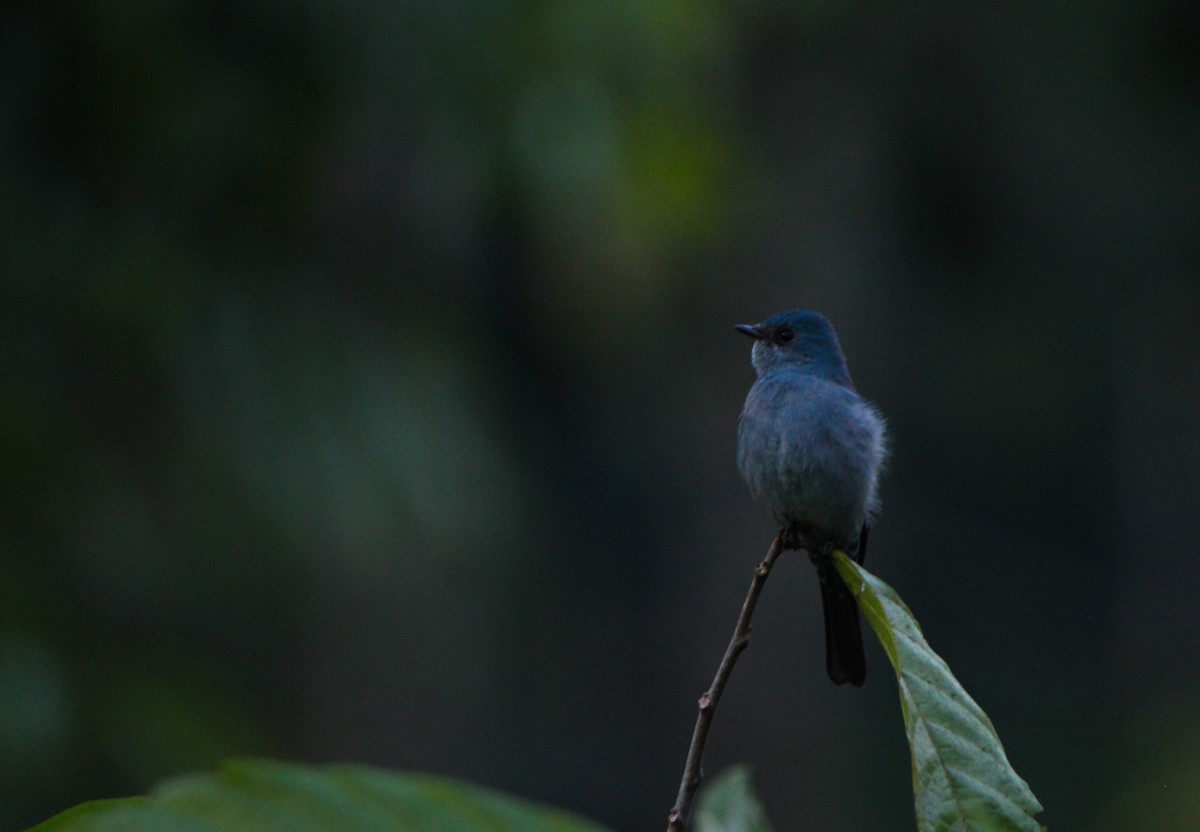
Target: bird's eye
(785, 335)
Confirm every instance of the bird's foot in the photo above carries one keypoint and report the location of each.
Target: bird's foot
(791, 539)
(821, 554)
(794, 539)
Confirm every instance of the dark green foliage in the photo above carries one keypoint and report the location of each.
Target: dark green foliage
(264, 796)
(730, 805)
(962, 780)
(961, 777)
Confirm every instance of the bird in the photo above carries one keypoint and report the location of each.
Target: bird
(812, 450)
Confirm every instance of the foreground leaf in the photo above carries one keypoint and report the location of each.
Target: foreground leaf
(962, 780)
(265, 796)
(730, 805)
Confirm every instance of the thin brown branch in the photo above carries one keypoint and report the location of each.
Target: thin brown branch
(693, 771)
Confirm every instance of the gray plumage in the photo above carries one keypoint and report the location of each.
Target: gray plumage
(811, 449)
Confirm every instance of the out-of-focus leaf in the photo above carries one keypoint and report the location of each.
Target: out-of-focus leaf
(730, 805)
(265, 796)
(962, 779)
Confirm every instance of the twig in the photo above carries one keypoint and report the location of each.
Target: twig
(693, 772)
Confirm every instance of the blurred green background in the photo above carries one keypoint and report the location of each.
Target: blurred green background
(369, 391)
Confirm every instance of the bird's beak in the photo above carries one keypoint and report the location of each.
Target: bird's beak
(753, 331)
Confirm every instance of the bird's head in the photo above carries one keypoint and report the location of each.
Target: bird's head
(798, 339)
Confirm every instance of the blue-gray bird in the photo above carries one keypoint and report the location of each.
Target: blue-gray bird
(811, 449)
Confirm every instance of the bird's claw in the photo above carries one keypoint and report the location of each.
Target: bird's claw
(821, 553)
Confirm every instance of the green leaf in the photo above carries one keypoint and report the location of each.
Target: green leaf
(265, 796)
(962, 780)
(728, 804)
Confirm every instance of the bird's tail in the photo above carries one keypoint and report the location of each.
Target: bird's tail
(845, 658)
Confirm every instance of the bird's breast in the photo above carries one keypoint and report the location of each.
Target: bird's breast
(805, 449)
